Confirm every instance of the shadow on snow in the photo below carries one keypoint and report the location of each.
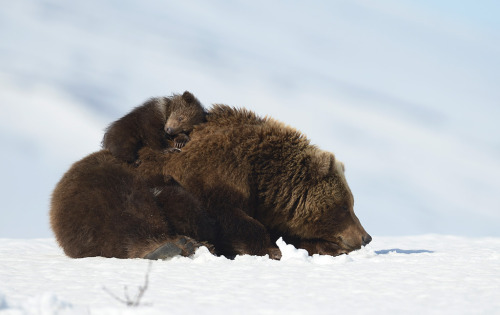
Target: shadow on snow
(402, 251)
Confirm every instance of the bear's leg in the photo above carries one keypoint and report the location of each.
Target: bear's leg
(143, 226)
(158, 206)
(241, 234)
(184, 212)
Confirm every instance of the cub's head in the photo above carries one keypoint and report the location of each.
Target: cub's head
(327, 212)
(185, 113)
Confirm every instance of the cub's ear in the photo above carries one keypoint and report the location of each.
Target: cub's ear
(322, 162)
(342, 166)
(188, 97)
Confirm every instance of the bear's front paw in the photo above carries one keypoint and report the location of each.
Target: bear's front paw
(182, 245)
(274, 253)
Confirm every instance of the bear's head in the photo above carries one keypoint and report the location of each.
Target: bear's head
(326, 212)
(185, 113)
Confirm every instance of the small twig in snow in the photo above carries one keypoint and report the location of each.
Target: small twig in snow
(128, 301)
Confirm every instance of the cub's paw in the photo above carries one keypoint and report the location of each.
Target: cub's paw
(181, 140)
(179, 144)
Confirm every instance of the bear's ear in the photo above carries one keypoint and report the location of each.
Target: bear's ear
(188, 97)
(322, 162)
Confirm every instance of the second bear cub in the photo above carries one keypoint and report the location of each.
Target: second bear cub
(151, 125)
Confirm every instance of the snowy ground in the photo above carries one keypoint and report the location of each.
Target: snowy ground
(407, 275)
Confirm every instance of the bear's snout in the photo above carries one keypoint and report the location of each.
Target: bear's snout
(354, 236)
(366, 239)
(169, 130)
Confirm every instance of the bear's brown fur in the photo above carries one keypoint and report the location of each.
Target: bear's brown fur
(261, 179)
(101, 207)
(149, 124)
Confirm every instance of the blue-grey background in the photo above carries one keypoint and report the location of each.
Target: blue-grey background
(404, 92)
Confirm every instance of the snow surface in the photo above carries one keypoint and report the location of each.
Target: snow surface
(429, 274)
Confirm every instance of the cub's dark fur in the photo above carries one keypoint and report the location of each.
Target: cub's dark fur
(152, 124)
(102, 207)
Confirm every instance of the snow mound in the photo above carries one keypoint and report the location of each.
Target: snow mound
(203, 255)
(292, 254)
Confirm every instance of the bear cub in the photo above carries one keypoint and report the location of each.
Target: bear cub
(103, 207)
(160, 123)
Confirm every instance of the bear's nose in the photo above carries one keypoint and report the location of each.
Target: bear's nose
(169, 130)
(366, 239)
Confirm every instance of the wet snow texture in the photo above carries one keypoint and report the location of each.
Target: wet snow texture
(410, 275)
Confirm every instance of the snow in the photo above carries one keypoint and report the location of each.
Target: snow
(427, 274)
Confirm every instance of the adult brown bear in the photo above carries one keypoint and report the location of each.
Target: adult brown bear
(260, 180)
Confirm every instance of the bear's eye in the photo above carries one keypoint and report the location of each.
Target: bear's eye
(180, 118)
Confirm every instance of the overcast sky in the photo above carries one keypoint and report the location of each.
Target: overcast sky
(405, 93)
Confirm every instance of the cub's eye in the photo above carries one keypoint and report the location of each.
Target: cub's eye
(180, 118)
